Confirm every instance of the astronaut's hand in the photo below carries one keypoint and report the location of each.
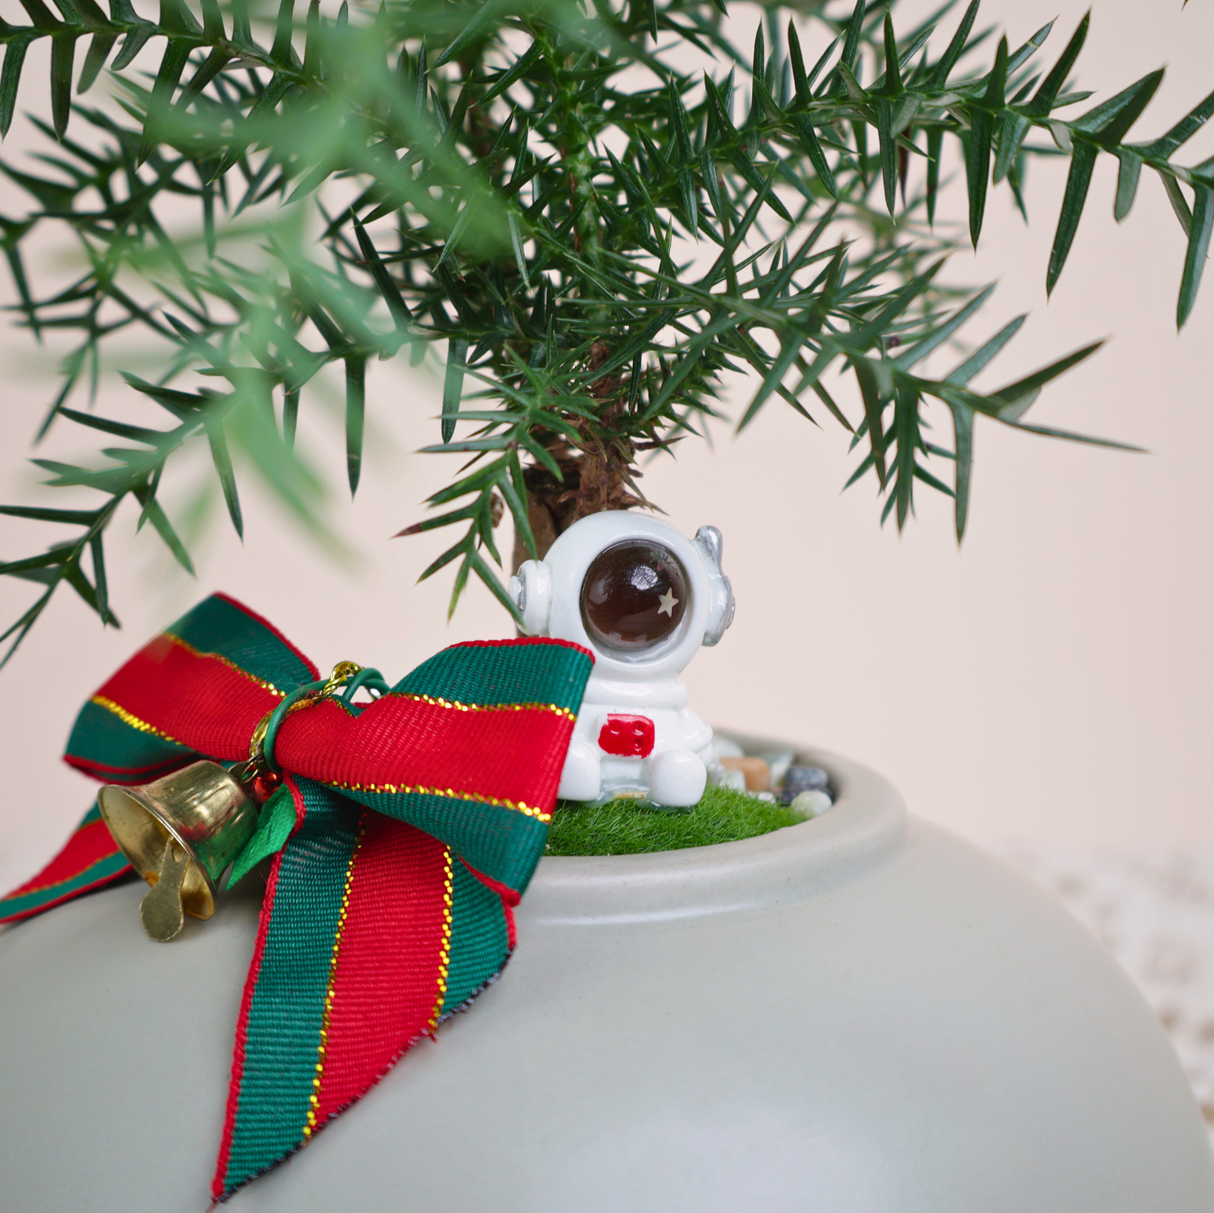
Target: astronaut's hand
(580, 777)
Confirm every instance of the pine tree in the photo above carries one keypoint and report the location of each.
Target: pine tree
(595, 209)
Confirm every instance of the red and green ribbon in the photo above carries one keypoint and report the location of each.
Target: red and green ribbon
(419, 820)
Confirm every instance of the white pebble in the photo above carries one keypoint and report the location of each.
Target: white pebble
(735, 780)
(769, 797)
(726, 748)
(811, 804)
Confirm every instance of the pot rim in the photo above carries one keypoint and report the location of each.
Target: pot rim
(865, 827)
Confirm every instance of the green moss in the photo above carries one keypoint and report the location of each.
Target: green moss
(620, 828)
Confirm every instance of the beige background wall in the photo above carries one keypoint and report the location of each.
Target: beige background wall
(1049, 683)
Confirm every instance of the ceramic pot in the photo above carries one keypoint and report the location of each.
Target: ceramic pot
(853, 1015)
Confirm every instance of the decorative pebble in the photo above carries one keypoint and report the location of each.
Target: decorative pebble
(734, 780)
(726, 748)
(798, 779)
(778, 762)
(754, 771)
(811, 804)
(769, 797)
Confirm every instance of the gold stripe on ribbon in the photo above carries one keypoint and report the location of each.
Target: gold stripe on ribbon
(314, 1099)
(189, 648)
(404, 789)
(54, 884)
(131, 719)
(444, 960)
(456, 706)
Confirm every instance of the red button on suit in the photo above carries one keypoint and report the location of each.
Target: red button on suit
(627, 736)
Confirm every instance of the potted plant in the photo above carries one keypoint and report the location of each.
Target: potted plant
(597, 213)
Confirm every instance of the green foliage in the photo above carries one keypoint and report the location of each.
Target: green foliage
(595, 209)
(620, 828)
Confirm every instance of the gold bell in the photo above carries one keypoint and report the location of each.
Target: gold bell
(180, 833)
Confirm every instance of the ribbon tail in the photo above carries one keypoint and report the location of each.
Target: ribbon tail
(89, 860)
(371, 933)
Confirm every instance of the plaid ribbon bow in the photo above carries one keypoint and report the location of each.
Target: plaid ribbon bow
(419, 820)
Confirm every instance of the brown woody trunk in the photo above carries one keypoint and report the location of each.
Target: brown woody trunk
(594, 477)
(593, 481)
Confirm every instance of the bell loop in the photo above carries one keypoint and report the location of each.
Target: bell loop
(343, 671)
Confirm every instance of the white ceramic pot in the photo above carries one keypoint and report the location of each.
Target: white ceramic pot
(852, 1015)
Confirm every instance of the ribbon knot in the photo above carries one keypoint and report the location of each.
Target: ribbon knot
(413, 825)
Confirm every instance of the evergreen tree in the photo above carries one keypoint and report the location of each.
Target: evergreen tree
(595, 208)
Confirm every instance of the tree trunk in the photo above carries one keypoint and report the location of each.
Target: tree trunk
(594, 476)
(594, 480)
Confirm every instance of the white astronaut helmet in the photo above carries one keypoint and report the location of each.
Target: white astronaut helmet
(632, 589)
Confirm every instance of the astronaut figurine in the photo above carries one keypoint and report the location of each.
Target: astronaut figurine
(643, 598)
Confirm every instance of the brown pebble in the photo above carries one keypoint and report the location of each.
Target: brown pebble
(754, 771)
